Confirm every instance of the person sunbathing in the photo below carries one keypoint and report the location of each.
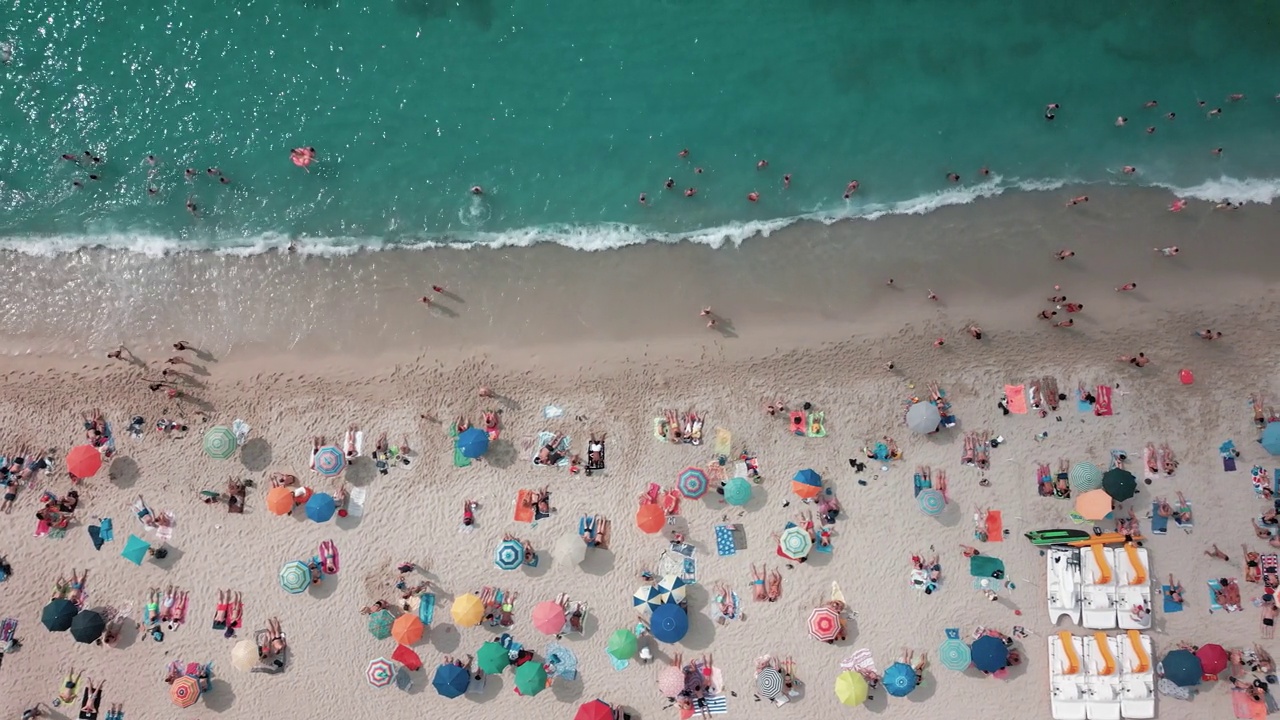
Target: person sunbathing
(462, 424)
(220, 612)
(490, 420)
(1182, 513)
(773, 586)
(595, 452)
(575, 617)
(530, 556)
(980, 523)
(279, 479)
(68, 692)
(540, 500)
(378, 606)
(1228, 596)
(89, 702)
(1259, 415)
(758, 578)
(274, 641)
(75, 587)
(1167, 460)
(1252, 571)
(970, 551)
(550, 453)
(1163, 508)
(1265, 664)
(920, 665)
(1269, 612)
(968, 453)
(982, 455)
(144, 513)
(1128, 526)
(829, 508)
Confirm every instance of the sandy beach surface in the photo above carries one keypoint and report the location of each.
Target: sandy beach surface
(612, 339)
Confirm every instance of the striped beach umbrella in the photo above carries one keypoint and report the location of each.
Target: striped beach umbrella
(795, 543)
(380, 673)
(737, 491)
(1083, 477)
(693, 483)
(295, 577)
(220, 442)
(647, 598)
(769, 683)
(330, 461)
(953, 653)
(806, 484)
(671, 589)
(899, 679)
(185, 691)
(932, 502)
(824, 624)
(851, 688)
(509, 555)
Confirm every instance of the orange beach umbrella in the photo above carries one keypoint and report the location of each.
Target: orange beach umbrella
(407, 629)
(280, 500)
(650, 518)
(84, 461)
(1094, 504)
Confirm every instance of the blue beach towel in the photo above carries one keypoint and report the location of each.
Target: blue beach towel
(1159, 525)
(1081, 405)
(725, 544)
(1214, 585)
(1169, 605)
(544, 437)
(426, 608)
(921, 484)
(106, 530)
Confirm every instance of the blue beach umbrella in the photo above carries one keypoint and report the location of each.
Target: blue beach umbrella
(989, 654)
(899, 679)
(509, 555)
(669, 623)
(321, 507)
(1182, 668)
(1271, 438)
(451, 681)
(473, 442)
(954, 654)
(737, 491)
(330, 461)
(808, 477)
(135, 550)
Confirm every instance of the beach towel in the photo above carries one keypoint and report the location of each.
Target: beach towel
(426, 608)
(1044, 481)
(723, 443)
(459, 460)
(1103, 407)
(725, 544)
(1246, 707)
(736, 614)
(1015, 398)
(711, 705)
(1188, 524)
(1228, 463)
(95, 535)
(995, 526)
(1270, 565)
(1169, 605)
(42, 528)
(356, 497)
(1260, 479)
(799, 422)
(817, 425)
(165, 532)
(106, 529)
(660, 429)
(8, 628)
(920, 484)
(985, 566)
(524, 511)
(1083, 405)
(562, 448)
(1159, 524)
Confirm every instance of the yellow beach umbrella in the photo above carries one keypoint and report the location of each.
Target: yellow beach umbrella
(467, 610)
(851, 688)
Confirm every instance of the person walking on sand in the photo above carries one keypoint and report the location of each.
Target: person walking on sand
(975, 332)
(1064, 254)
(933, 296)
(939, 343)
(1167, 252)
(1177, 205)
(706, 312)
(1127, 287)
(425, 300)
(1078, 200)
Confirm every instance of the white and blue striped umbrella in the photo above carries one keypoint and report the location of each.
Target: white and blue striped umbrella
(671, 589)
(647, 598)
(509, 555)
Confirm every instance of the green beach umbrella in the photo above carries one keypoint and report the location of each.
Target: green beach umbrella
(737, 491)
(492, 658)
(622, 644)
(295, 577)
(531, 678)
(135, 550)
(220, 442)
(380, 624)
(1084, 477)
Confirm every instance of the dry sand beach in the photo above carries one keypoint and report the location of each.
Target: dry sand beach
(613, 339)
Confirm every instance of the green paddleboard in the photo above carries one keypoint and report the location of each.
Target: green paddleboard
(1057, 537)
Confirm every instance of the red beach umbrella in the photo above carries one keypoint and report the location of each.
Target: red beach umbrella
(595, 710)
(407, 657)
(548, 617)
(1213, 658)
(824, 624)
(650, 518)
(84, 461)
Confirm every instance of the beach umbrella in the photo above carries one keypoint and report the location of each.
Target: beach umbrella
(451, 681)
(295, 577)
(1093, 504)
(1271, 438)
(219, 442)
(135, 550)
(669, 624)
(58, 615)
(650, 518)
(407, 657)
(473, 442)
(380, 673)
(87, 626)
(1083, 477)
(509, 555)
(923, 418)
(671, 588)
(83, 461)
(1182, 668)
(329, 461)
(671, 681)
(989, 654)
(931, 502)
(548, 617)
(1213, 658)
(622, 644)
(407, 629)
(595, 710)
(280, 500)
(737, 491)
(1119, 484)
(492, 657)
(570, 549)
(321, 507)
(561, 662)
(244, 655)
(954, 654)
(795, 543)
(380, 624)
(851, 688)
(647, 598)
(769, 683)
(807, 484)
(185, 691)
(899, 679)
(824, 624)
(467, 610)
(531, 678)
(693, 483)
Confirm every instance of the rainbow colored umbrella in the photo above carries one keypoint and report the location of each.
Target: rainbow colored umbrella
(693, 483)
(380, 673)
(330, 461)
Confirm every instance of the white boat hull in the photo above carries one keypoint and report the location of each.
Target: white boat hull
(1062, 570)
(1129, 595)
(1138, 689)
(1104, 689)
(1068, 692)
(1098, 600)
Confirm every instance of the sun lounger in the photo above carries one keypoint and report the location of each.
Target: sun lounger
(1102, 408)
(1159, 523)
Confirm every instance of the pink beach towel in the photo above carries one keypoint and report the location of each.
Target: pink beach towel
(1246, 707)
(1015, 397)
(1102, 408)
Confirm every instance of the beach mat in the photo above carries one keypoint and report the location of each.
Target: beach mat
(1102, 408)
(1159, 524)
(1015, 397)
(1246, 707)
(1169, 605)
(459, 460)
(723, 442)
(1082, 405)
(1213, 603)
(426, 608)
(545, 437)
(356, 497)
(725, 543)
(995, 526)
(524, 511)
(1228, 463)
(817, 425)
(985, 566)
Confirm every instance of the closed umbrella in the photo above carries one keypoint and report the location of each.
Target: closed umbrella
(531, 678)
(280, 500)
(806, 484)
(467, 610)
(135, 550)
(492, 658)
(84, 461)
(451, 681)
(989, 654)
(380, 673)
(185, 691)
(1083, 477)
(1094, 504)
(329, 461)
(380, 624)
(87, 626)
(669, 623)
(954, 654)
(570, 549)
(932, 502)
(923, 418)
(737, 491)
(769, 683)
(595, 710)
(321, 507)
(693, 483)
(650, 518)
(473, 442)
(1182, 668)
(622, 644)
(219, 442)
(58, 615)
(1271, 438)
(244, 655)
(851, 688)
(548, 617)
(795, 543)
(1119, 484)
(407, 629)
(509, 555)
(824, 624)
(1213, 657)
(899, 679)
(295, 577)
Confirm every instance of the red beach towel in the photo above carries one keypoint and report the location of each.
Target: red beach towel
(1016, 399)
(995, 526)
(1102, 408)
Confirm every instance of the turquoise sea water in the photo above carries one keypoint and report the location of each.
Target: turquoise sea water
(565, 111)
